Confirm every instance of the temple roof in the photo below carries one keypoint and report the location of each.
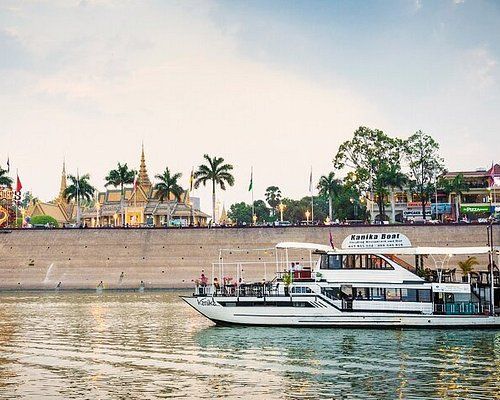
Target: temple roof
(143, 172)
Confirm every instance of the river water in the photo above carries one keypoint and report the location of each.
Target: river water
(130, 345)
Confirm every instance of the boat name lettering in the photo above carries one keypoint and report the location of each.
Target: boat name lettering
(375, 240)
(206, 301)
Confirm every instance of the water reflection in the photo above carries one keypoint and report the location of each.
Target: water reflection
(152, 345)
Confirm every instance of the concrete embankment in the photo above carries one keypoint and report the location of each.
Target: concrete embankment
(172, 258)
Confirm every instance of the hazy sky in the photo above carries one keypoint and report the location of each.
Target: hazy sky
(277, 85)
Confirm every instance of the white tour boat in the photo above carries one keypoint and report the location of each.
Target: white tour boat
(356, 286)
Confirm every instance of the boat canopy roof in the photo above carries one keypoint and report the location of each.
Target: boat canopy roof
(304, 246)
(387, 250)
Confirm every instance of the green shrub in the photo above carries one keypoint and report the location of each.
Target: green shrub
(43, 220)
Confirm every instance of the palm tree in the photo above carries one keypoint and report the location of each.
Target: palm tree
(329, 187)
(120, 177)
(168, 186)
(468, 265)
(273, 197)
(4, 179)
(456, 186)
(79, 188)
(215, 171)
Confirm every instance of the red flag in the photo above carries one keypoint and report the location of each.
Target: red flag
(19, 185)
(331, 240)
(135, 182)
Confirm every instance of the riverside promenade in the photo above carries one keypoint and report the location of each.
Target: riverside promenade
(173, 258)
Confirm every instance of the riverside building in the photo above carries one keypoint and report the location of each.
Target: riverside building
(478, 202)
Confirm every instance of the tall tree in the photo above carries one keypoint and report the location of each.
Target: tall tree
(392, 178)
(4, 179)
(168, 185)
(214, 171)
(79, 188)
(329, 188)
(240, 213)
(420, 151)
(368, 153)
(120, 177)
(273, 197)
(457, 186)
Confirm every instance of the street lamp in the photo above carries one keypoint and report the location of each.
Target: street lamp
(281, 207)
(254, 218)
(308, 214)
(490, 201)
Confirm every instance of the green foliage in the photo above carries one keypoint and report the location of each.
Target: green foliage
(468, 265)
(168, 185)
(424, 164)
(240, 213)
(44, 220)
(261, 211)
(273, 197)
(120, 176)
(79, 187)
(370, 153)
(4, 179)
(214, 171)
(329, 188)
(287, 279)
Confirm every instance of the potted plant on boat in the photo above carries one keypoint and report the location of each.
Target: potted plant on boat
(287, 281)
(467, 267)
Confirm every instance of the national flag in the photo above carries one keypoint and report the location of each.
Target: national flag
(311, 181)
(8, 164)
(494, 180)
(135, 181)
(250, 187)
(191, 180)
(331, 240)
(19, 185)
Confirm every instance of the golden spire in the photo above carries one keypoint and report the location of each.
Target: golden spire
(62, 189)
(143, 172)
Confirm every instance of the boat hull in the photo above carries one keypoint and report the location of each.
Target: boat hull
(331, 317)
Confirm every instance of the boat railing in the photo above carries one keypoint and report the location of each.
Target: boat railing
(459, 308)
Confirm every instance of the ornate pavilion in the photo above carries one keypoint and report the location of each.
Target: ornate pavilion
(141, 207)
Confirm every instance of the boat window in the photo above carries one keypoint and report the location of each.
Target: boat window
(361, 293)
(409, 294)
(377, 294)
(301, 289)
(424, 295)
(331, 261)
(393, 294)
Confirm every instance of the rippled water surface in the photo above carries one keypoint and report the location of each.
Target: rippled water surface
(127, 345)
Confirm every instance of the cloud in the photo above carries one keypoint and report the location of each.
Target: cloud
(108, 76)
(480, 68)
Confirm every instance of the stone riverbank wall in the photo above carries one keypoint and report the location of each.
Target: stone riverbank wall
(172, 258)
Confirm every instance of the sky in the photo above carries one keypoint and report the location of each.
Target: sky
(276, 86)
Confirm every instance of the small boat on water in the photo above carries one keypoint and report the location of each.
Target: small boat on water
(356, 286)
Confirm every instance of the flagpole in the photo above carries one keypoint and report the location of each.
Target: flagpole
(312, 197)
(15, 201)
(253, 205)
(77, 198)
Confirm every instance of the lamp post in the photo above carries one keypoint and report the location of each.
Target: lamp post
(254, 219)
(354, 202)
(490, 202)
(308, 214)
(281, 207)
